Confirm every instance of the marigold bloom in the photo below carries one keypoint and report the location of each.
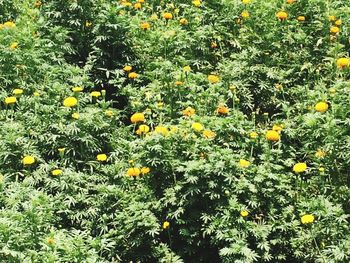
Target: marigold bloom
(245, 14)
(209, 134)
(133, 75)
(343, 62)
(244, 163)
(17, 91)
(334, 30)
(134, 171)
(196, 3)
(179, 83)
(145, 170)
(307, 219)
(14, 45)
(197, 126)
(75, 115)
(277, 128)
(9, 24)
(213, 79)
(187, 68)
(301, 18)
(77, 89)
(282, 15)
(137, 6)
(70, 102)
(95, 94)
(56, 172)
(299, 167)
(290, 1)
(145, 26)
(222, 110)
(183, 21)
(272, 136)
(213, 45)
(137, 117)
(320, 153)
(168, 16)
(161, 130)
(28, 160)
(338, 22)
(332, 18)
(10, 100)
(88, 24)
(321, 106)
(109, 113)
(143, 129)
(189, 111)
(166, 225)
(246, 1)
(101, 157)
(127, 68)
(253, 135)
(244, 213)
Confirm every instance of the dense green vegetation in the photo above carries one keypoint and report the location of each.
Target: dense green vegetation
(182, 131)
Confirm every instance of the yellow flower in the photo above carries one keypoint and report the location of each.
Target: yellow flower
(272, 136)
(161, 130)
(137, 117)
(9, 24)
(145, 25)
(187, 68)
(17, 91)
(209, 134)
(196, 3)
(168, 16)
(253, 135)
(179, 83)
(101, 157)
(133, 75)
(334, 29)
(145, 170)
(14, 45)
(321, 106)
(290, 1)
(109, 113)
(28, 160)
(75, 115)
(51, 241)
(77, 89)
(338, 22)
(282, 15)
(244, 163)
(61, 150)
(95, 94)
(301, 18)
(10, 100)
(154, 17)
(222, 110)
(70, 102)
(127, 68)
(320, 153)
(299, 167)
(246, 1)
(143, 129)
(277, 128)
(244, 213)
(343, 62)
(197, 126)
(183, 21)
(321, 169)
(133, 171)
(137, 6)
(36, 94)
(56, 172)
(307, 219)
(88, 24)
(332, 18)
(245, 14)
(213, 79)
(214, 45)
(166, 225)
(189, 111)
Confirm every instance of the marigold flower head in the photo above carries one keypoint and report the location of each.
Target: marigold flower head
(133, 172)
(56, 172)
(166, 225)
(168, 16)
(51, 241)
(183, 21)
(9, 24)
(277, 128)
(222, 110)
(214, 45)
(213, 79)
(10, 100)
(332, 18)
(17, 91)
(343, 62)
(197, 126)
(253, 135)
(14, 45)
(209, 134)
(109, 113)
(28, 160)
(127, 68)
(145, 26)
(321, 106)
(282, 15)
(75, 115)
(299, 167)
(179, 83)
(95, 94)
(320, 153)
(70, 102)
(301, 18)
(189, 111)
(244, 163)
(161, 130)
(338, 22)
(245, 14)
(137, 6)
(187, 68)
(143, 129)
(133, 75)
(101, 157)
(290, 1)
(77, 89)
(145, 170)
(334, 30)
(272, 136)
(137, 117)
(246, 1)
(36, 94)
(196, 3)
(244, 213)
(307, 219)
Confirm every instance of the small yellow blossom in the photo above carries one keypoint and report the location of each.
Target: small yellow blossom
(161, 130)
(253, 135)
(133, 75)
(183, 21)
(95, 94)
(244, 213)
(272, 136)
(127, 68)
(307, 219)
(168, 16)
(245, 14)
(101, 157)
(282, 15)
(75, 115)
(137, 117)
(145, 170)
(56, 172)
(143, 129)
(134, 171)
(343, 62)
(244, 163)
(70, 102)
(209, 134)
(77, 89)
(197, 126)
(28, 160)
(166, 225)
(189, 111)
(299, 167)
(321, 106)
(213, 79)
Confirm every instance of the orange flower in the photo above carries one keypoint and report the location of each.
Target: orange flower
(145, 26)
(282, 15)
(222, 110)
(189, 111)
